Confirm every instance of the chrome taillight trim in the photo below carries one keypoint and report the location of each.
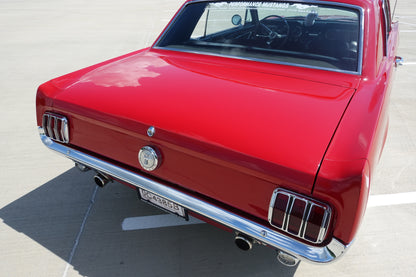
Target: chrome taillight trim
(56, 127)
(310, 203)
(261, 233)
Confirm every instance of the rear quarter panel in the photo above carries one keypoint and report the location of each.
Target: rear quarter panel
(349, 164)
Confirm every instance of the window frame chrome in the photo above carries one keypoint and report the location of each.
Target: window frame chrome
(387, 25)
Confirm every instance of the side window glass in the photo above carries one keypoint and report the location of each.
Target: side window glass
(218, 19)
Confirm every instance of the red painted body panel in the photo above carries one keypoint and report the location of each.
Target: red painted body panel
(235, 130)
(346, 171)
(231, 129)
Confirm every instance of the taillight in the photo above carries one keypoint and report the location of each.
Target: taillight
(299, 215)
(56, 127)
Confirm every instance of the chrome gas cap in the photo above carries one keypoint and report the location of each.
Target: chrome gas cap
(149, 158)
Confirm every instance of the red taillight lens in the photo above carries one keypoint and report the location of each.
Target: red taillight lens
(279, 210)
(296, 216)
(299, 215)
(316, 220)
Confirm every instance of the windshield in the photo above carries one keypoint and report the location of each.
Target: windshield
(310, 35)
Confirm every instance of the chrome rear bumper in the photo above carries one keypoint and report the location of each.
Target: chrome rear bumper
(262, 234)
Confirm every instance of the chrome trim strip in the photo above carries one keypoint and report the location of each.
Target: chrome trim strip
(55, 129)
(288, 215)
(307, 219)
(65, 130)
(48, 126)
(316, 254)
(325, 224)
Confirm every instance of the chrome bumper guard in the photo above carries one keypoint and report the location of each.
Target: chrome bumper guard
(262, 234)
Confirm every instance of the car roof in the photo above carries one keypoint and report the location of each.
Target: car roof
(351, 2)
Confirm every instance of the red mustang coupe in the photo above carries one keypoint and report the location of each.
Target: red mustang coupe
(266, 118)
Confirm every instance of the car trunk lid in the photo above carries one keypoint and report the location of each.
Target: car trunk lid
(218, 121)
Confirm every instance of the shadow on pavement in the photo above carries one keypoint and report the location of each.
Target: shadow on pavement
(52, 216)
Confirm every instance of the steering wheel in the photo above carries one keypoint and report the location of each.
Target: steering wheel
(275, 28)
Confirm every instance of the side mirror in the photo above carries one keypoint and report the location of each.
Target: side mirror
(398, 61)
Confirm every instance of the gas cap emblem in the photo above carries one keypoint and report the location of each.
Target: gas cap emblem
(149, 158)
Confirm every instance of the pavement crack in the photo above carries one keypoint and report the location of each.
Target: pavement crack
(81, 230)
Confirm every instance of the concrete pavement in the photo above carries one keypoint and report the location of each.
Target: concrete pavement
(55, 222)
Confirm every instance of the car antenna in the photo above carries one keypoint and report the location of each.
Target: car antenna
(394, 9)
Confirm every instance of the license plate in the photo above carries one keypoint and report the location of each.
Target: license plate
(163, 203)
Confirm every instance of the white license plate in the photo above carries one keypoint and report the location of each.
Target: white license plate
(162, 202)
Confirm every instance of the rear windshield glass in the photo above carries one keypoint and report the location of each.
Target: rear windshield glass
(310, 35)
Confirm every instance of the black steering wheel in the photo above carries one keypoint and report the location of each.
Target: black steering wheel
(275, 29)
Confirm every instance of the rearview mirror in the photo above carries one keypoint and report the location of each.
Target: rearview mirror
(236, 20)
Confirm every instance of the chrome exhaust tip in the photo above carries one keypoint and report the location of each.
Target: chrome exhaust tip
(287, 259)
(101, 179)
(243, 242)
